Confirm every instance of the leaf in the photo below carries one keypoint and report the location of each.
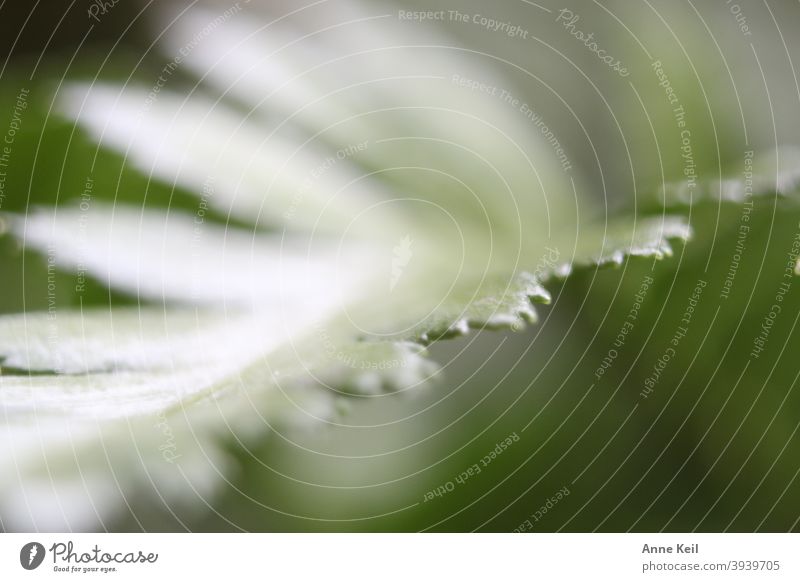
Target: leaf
(777, 172)
(185, 259)
(341, 264)
(227, 161)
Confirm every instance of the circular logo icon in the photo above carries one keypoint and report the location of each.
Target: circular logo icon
(31, 555)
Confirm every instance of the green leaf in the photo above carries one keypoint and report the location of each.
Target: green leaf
(356, 240)
(761, 175)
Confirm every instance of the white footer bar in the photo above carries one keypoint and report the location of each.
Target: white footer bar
(401, 557)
